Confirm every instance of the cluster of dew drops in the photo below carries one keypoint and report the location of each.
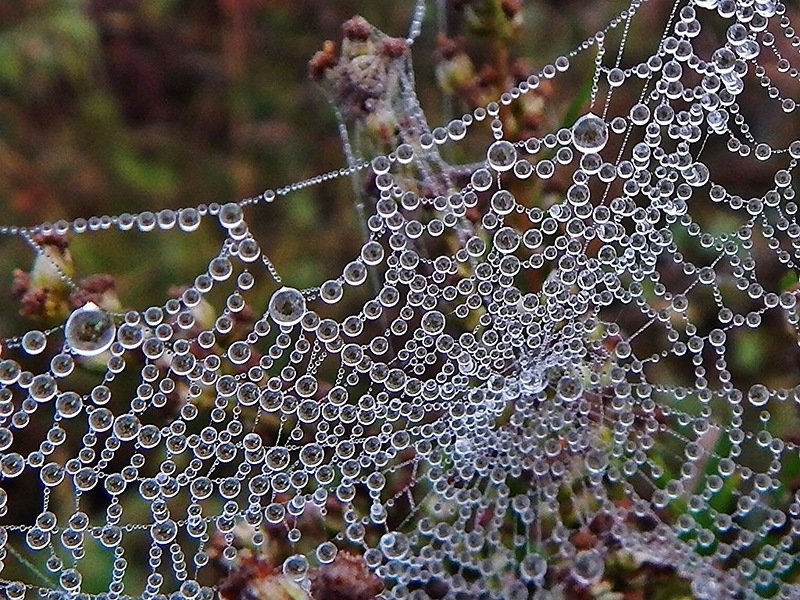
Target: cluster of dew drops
(474, 406)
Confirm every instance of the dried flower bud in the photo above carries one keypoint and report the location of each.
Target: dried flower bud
(322, 61)
(511, 8)
(393, 48)
(447, 47)
(53, 240)
(21, 284)
(32, 300)
(99, 288)
(584, 540)
(455, 74)
(254, 578)
(357, 29)
(346, 578)
(43, 291)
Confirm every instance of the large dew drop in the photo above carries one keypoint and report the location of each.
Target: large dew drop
(533, 568)
(589, 134)
(89, 330)
(502, 155)
(295, 566)
(287, 306)
(588, 567)
(394, 545)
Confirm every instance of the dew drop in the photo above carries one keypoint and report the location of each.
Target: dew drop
(331, 291)
(326, 552)
(85, 479)
(287, 306)
(126, 427)
(164, 532)
(596, 460)
(69, 404)
(12, 464)
(758, 395)
(481, 180)
(355, 273)
(70, 580)
(405, 153)
(506, 240)
(372, 253)
(533, 568)
(588, 567)
(569, 388)
(394, 545)
(589, 134)
(52, 474)
(6, 438)
(89, 331)
(295, 567)
(37, 539)
(501, 155)
(312, 455)
(433, 322)
(230, 215)
(33, 342)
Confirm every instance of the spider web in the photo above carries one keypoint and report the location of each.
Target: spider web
(528, 387)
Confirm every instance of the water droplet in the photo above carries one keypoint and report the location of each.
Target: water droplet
(588, 567)
(12, 464)
(589, 134)
(758, 395)
(433, 322)
(164, 532)
(33, 342)
(85, 479)
(287, 306)
(569, 388)
(331, 291)
(296, 567)
(533, 568)
(239, 352)
(69, 404)
(503, 202)
(43, 388)
(394, 545)
(502, 155)
(355, 273)
(230, 215)
(220, 268)
(189, 219)
(596, 460)
(126, 427)
(326, 552)
(506, 240)
(70, 580)
(89, 331)
(62, 364)
(481, 180)
(101, 419)
(201, 488)
(311, 455)
(52, 474)
(277, 458)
